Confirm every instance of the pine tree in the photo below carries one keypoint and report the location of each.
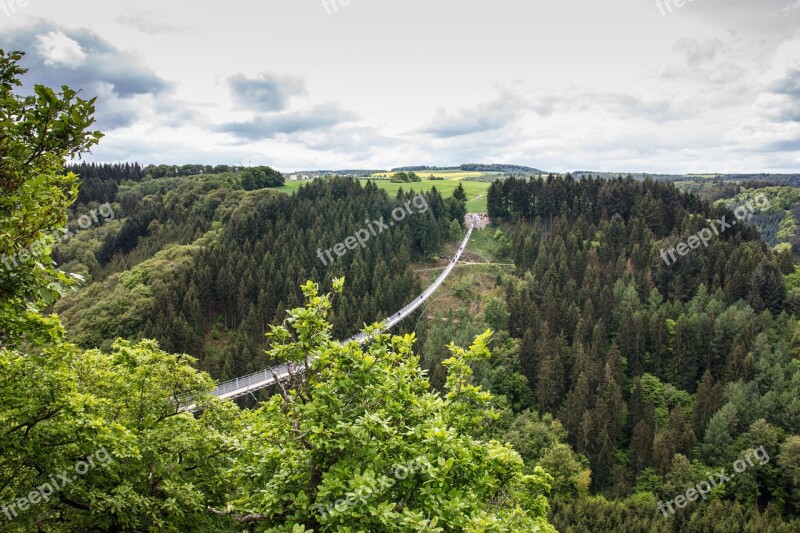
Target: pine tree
(707, 401)
(459, 193)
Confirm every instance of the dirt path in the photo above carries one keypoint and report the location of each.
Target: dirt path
(465, 263)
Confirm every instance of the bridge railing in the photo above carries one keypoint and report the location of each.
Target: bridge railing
(247, 383)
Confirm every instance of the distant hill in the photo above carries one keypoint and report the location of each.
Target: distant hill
(782, 179)
(361, 172)
(474, 167)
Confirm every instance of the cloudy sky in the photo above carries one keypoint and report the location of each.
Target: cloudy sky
(616, 85)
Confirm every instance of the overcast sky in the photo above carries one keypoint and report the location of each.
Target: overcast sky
(616, 85)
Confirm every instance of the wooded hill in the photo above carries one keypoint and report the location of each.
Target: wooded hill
(203, 266)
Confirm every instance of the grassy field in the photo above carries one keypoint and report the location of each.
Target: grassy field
(474, 279)
(476, 204)
(476, 191)
(290, 187)
(446, 174)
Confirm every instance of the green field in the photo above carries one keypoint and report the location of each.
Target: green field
(477, 204)
(290, 187)
(476, 191)
(446, 174)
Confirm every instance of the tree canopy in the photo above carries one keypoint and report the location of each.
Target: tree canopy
(38, 132)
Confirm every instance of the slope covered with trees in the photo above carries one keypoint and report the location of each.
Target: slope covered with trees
(204, 266)
(779, 225)
(660, 374)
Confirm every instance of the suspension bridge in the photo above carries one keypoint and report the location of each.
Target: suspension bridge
(263, 379)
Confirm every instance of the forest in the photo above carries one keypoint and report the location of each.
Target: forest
(657, 375)
(204, 266)
(594, 386)
(624, 378)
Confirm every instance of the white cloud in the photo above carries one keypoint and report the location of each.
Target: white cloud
(146, 24)
(481, 118)
(554, 85)
(266, 92)
(774, 121)
(58, 49)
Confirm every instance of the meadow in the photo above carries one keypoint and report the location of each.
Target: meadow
(445, 174)
(476, 191)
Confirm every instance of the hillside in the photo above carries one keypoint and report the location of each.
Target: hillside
(475, 167)
(220, 264)
(595, 334)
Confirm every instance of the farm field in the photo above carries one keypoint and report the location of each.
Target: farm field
(446, 174)
(290, 187)
(476, 191)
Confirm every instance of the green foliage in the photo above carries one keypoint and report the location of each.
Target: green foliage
(540, 441)
(793, 282)
(503, 243)
(455, 230)
(234, 265)
(664, 396)
(656, 372)
(459, 193)
(789, 462)
(260, 177)
(37, 133)
(640, 513)
(496, 314)
(405, 177)
(776, 222)
(127, 305)
(360, 440)
(165, 464)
